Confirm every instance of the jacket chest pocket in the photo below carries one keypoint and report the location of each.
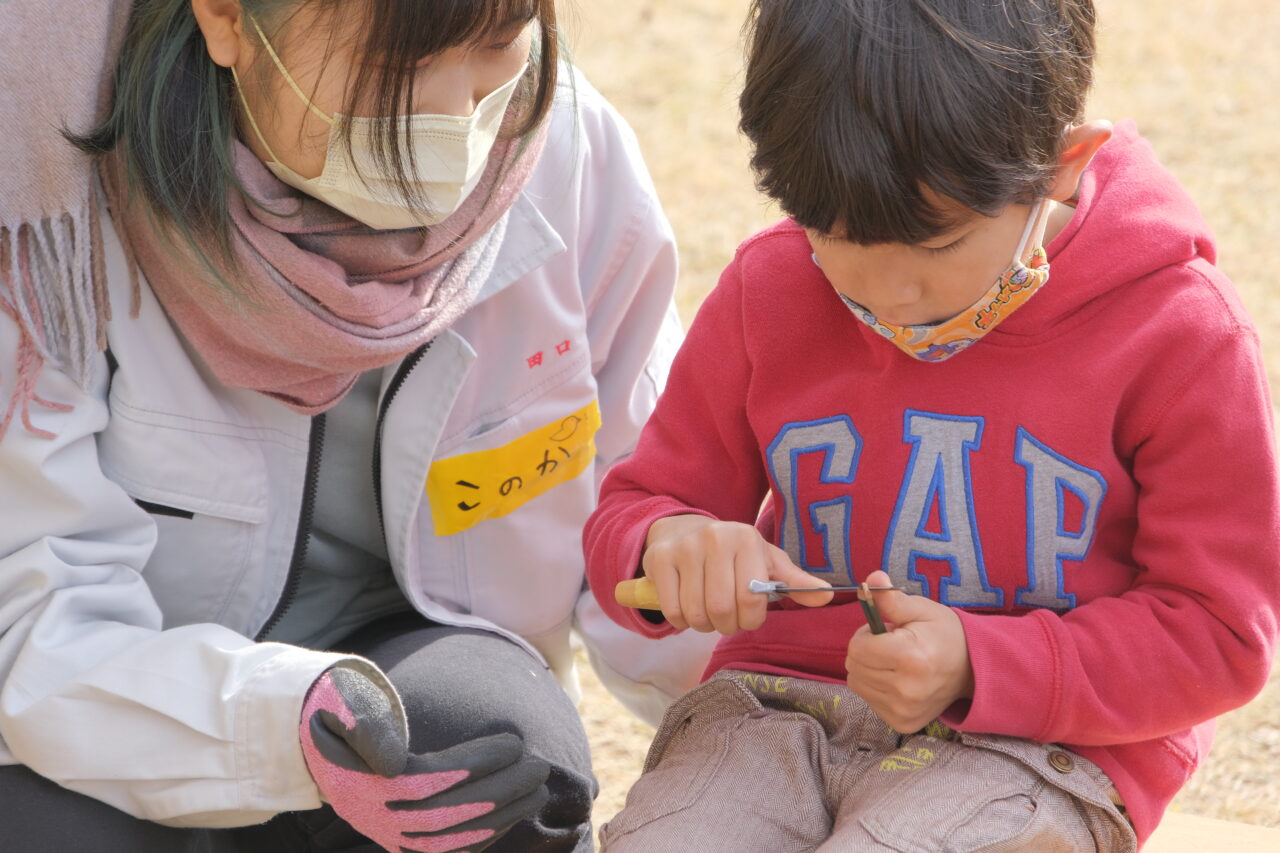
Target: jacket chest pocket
(207, 493)
(506, 500)
(467, 488)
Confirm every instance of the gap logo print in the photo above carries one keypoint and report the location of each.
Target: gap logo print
(936, 516)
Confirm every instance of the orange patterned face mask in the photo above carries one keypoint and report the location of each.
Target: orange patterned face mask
(940, 341)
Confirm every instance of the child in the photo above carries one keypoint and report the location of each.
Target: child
(1075, 493)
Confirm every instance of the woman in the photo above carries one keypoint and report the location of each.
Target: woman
(304, 419)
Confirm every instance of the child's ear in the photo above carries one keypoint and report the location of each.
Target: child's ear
(1080, 144)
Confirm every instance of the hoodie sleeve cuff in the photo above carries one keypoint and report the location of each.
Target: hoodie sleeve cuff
(1016, 672)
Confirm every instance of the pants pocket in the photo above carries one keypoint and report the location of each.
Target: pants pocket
(933, 795)
(1084, 785)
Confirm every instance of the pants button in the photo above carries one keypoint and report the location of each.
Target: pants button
(1061, 761)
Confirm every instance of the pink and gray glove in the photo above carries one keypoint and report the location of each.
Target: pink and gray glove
(459, 799)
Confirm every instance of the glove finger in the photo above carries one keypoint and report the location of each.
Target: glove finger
(363, 715)
(500, 788)
(330, 737)
(472, 834)
(478, 757)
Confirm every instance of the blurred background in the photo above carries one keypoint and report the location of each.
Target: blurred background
(1199, 77)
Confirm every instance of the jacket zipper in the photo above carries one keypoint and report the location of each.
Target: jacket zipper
(402, 373)
(310, 487)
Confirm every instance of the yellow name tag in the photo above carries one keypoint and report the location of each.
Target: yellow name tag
(467, 489)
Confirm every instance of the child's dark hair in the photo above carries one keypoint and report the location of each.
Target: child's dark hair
(855, 107)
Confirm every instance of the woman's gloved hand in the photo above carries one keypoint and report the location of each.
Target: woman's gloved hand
(462, 798)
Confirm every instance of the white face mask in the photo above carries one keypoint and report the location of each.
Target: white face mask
(451, 152)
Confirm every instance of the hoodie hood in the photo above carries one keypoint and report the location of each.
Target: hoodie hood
(1131, 220)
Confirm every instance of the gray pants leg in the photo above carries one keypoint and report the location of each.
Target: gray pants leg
(457, 684)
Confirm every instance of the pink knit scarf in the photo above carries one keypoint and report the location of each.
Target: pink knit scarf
(317, 297)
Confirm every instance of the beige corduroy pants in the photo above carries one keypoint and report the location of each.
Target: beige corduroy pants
(756, 763)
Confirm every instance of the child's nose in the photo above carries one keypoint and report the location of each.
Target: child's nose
(892, 299)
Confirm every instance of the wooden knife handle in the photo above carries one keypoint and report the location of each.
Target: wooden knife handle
(641, 593)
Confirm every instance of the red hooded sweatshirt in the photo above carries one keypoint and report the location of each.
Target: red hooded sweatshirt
(1092, 486)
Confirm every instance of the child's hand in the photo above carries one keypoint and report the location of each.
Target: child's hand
(702, 568)
(914, 672)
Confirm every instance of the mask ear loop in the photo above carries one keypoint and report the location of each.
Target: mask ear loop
(288, 77)
(249, 114)
(1036, 221)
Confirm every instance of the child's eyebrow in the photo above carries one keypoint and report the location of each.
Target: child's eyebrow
(957, 228)
(946, 238)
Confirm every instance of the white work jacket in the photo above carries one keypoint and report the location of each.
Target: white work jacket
(145, 546)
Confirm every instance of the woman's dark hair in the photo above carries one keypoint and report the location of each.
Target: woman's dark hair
(855, 107)
(174, 111)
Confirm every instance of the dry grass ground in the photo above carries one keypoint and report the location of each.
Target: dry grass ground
(1199, 77)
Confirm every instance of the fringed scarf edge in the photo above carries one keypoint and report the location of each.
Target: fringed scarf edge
(53, 286)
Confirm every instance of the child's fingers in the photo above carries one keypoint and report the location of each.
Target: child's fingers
(879, 578)
(702, 572)
(782, 569)
(869, 653)
(720, 599)
(734, 559)
(661, 567)
(897, 607)
(752, 564)
(890, 708)
(692, 597)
